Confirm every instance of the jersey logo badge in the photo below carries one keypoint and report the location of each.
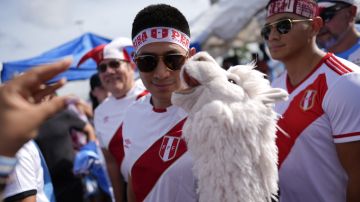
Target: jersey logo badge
(168, 148)
(307, 102)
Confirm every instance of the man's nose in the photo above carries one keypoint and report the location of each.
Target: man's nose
(161, 71)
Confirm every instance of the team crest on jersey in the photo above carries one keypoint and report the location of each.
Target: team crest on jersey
(169, 147)
(159, 33)
(308, 100)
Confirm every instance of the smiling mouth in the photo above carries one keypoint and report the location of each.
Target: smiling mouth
(276, 47)
(191, 82)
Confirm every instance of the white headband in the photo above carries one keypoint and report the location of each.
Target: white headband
(161, 34)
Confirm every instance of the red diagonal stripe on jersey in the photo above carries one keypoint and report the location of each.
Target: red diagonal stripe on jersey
(116, 146)
(145, 92)
(143, 181)
(295, 119)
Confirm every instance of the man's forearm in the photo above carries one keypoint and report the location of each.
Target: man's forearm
(353, 193)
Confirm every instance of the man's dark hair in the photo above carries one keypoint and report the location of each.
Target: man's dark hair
(94, 82)
(160, 15)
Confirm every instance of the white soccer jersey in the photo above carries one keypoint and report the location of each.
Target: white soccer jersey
(155, 155)
(110, 113)
(321, 111)
(28, 176)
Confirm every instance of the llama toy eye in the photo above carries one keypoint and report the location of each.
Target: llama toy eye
(232, 81)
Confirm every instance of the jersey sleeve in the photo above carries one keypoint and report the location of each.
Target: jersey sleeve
(342, 106)
(23, 181)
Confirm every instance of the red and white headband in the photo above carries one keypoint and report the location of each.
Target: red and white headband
(305, 8)
(161, 34)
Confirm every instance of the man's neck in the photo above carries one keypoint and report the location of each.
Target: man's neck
(121, 94)
(347, 41)
(300, 66)
(160, 103)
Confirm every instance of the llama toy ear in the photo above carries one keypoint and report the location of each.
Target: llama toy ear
(203, 56)
(273, 95)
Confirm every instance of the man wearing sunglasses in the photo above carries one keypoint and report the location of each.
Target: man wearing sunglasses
(116, 72)
(154, 160)
(339, 34)
(319, 140)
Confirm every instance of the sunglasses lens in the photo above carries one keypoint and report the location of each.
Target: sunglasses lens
(174, 61)
(283, 27)
(102, 67)
(114, 64)
(265, 32)
(146, 63)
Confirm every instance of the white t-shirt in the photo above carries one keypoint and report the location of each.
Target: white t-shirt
(321, 111)
(110, 113)
(28, 176)
(352, 54)
(155, 155)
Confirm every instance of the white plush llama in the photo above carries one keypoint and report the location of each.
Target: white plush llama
(230, 130)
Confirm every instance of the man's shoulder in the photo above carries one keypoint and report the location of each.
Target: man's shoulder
(29, 149)
(140, 102)
(138, 90)
(107, 104)
(341, 66)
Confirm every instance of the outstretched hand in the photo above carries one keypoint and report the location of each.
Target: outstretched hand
(21, 112)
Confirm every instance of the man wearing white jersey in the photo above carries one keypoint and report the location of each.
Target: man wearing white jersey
(339, 34)
(116, 72)
(319, 133)
(155, 161)
(30, 180)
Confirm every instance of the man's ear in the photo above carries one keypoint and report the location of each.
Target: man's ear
(192, 52)
(352, 13)
(317, 24)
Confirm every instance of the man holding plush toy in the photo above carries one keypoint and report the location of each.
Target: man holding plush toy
(320, 124)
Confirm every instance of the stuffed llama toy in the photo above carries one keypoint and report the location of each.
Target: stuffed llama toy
(230, 130)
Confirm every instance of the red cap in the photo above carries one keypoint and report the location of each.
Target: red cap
(116, 49)
(305, 8)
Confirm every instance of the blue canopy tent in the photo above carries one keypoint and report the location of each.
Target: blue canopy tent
(75, 48)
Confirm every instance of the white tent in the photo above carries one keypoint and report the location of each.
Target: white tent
(228, 24)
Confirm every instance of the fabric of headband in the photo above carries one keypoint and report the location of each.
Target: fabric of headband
(303, 8)
(161, 34)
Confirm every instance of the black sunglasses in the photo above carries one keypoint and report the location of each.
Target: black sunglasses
(328, 13)
(149, 62)
(113, 64)
(282, 26)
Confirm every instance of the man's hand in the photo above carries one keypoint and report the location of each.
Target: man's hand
(21, 112)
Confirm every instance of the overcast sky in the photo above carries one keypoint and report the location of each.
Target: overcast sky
(30, 27)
